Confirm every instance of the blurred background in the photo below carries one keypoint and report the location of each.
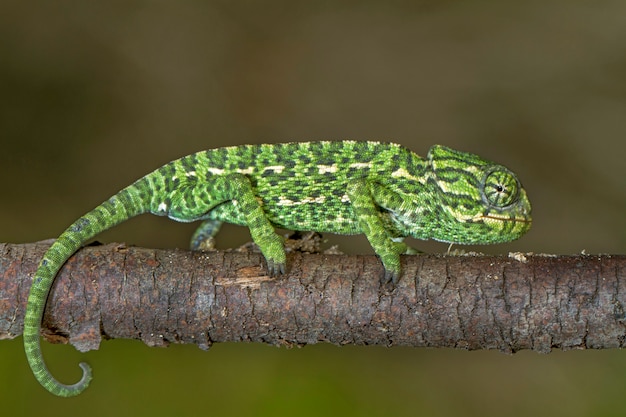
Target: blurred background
(94, 95)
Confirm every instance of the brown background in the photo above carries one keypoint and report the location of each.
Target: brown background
(94, 95)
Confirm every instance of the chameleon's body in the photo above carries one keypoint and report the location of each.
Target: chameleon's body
(347, 187)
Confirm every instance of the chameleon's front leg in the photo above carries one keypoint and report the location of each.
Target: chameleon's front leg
(238, 189)
(363, 196)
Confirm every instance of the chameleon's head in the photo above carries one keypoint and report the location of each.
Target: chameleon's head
(481, 202)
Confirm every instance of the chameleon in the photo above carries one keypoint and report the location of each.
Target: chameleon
(379, 189)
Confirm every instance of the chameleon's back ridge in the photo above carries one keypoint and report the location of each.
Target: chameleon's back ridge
(382, 190)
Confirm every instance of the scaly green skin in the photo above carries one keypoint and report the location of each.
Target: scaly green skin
(347, 187)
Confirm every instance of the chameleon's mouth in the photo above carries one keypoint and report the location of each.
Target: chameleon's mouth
(506, 219)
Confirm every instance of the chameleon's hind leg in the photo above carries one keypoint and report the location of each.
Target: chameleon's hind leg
(246, 209)
(203, 238)
(234, 198)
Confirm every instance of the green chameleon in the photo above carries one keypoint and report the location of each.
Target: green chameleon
(380, 189)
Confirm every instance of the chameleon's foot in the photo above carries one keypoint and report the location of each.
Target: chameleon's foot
(403, 249)
(390, 277)
(276, 268)
(206, 245)
(411, 251)
(389, 254)
(273, 248)
(203, 239)
(392, 263)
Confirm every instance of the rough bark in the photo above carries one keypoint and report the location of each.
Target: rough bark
(508, 303)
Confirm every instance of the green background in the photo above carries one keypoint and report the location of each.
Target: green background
(95, 94)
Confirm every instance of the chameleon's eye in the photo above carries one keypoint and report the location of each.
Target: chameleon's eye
(500, 188)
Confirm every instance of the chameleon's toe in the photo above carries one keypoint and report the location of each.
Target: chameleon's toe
(391, 263)
(273, 249)
(390, 277)
(276, 268)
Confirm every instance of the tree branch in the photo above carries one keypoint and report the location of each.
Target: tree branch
(471, 302)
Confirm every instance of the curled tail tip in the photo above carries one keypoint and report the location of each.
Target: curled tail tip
(73, 390)
(84, 382)
(87, 375)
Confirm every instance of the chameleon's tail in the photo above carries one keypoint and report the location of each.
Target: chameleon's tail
(128, 203)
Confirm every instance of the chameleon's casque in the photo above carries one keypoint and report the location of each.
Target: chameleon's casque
(380, 189)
